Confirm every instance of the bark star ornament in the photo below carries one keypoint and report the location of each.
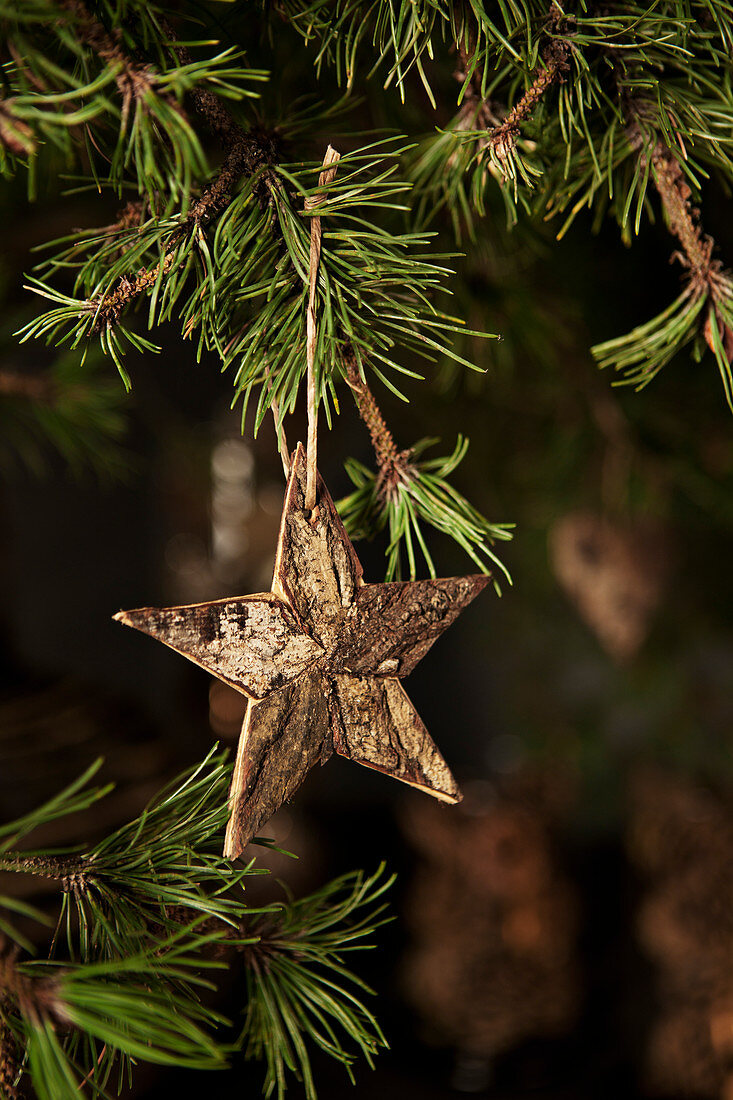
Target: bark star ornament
(320, 658)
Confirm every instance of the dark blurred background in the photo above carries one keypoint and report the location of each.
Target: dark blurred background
(567, 931)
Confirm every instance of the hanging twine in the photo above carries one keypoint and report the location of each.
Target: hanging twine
(329, 171)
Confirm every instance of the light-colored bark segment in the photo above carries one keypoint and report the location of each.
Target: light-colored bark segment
(316, 570)
(374, 723)
(253, 643)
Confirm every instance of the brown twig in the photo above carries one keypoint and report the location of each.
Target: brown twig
(70, 872)
(707, 276)
(476, 112)
(9, 1062)
(393, 465)
(133, 80)
(245, 158)
(502, 140)
(684, 220)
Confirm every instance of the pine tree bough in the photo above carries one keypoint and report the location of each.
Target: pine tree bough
(502, 136)
(246, 153)
(502, 140)
(707, 276)
(69, 872)
(132, 79)
(251, 152)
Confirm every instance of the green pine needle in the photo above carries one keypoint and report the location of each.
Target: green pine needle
(422, 495)
(298, 987)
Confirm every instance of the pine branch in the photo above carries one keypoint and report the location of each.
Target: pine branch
(683, 220)
(706, 275)
(297, 982)
(245, 154)
(149, 911)
(704, 309)
(502, 140)
(250, 153)
(132, 80)
(419, 493)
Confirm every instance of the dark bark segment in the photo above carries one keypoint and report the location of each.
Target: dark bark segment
(253, 643)
(317, 570)
(375, 724)
(283, 736)
(390, 627)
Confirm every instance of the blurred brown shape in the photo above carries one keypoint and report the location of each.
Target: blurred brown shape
(494, 923)
(227, 709)
(681, 840)
(614, 574)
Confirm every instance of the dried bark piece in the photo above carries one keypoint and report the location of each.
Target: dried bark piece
(316, 569)
(319, 657)
(390, 627)
(374, 723)
(253, 643)
(283, 736)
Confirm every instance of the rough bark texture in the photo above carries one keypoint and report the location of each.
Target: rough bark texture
(252, 643)
(283, 736)
(390, 627)
(374, 723)
(9, 1062)
(319, 657)
(316, 569)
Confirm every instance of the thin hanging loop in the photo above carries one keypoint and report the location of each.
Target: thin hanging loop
(330, 162)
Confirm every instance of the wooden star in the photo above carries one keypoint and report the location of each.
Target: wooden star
(320, 658)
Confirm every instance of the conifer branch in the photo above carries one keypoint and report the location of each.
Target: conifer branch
(249, 153)
(150, 910)
(683, 219)
(131, 78)
(502, 140)
(70, 872)
(245, 154)
(704, 308)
